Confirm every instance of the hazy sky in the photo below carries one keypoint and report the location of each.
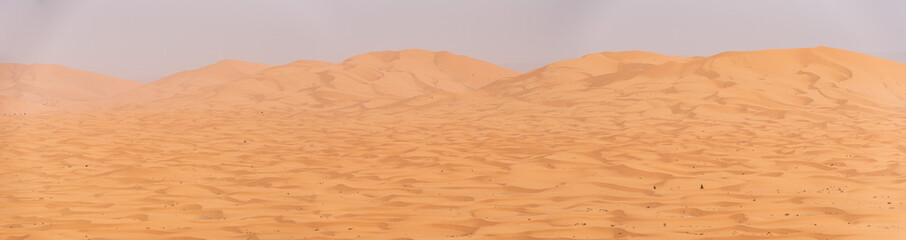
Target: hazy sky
(146, 40)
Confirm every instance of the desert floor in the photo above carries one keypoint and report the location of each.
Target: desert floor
(501, 174)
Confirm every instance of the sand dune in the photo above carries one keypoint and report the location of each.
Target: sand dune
(815, 77)
(55, 86)
(779, 144)
(187, 82)
(9, 105)
(821, 83)
(364, 81)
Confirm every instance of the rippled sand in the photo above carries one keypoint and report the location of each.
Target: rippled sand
(775, 144)
(376, 175)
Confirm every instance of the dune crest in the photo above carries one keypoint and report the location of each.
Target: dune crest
(364, 81)
(187, 81)
(783, 79)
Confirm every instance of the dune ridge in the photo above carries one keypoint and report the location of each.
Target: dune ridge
(363, 81)
(187, 81)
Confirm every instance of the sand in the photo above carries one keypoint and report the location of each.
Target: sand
(366, 81)
(779, 144)
(43, 88)
(185, 82)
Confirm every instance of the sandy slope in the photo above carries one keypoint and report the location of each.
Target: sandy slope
(365, 81)
(55, 86)
(10, 105)
(779, 144)
(187, 82)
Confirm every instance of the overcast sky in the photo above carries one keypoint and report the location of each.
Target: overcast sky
(147, 40)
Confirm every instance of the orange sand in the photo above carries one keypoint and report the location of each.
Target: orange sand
(787, 144)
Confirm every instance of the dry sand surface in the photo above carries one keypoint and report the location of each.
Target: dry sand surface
(776, 144)
(40, 88)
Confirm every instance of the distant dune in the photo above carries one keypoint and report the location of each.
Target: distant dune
(367, 80)
(775, 144)
(815, 77)
(187, 82)
(772, 79)
(55, 86)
